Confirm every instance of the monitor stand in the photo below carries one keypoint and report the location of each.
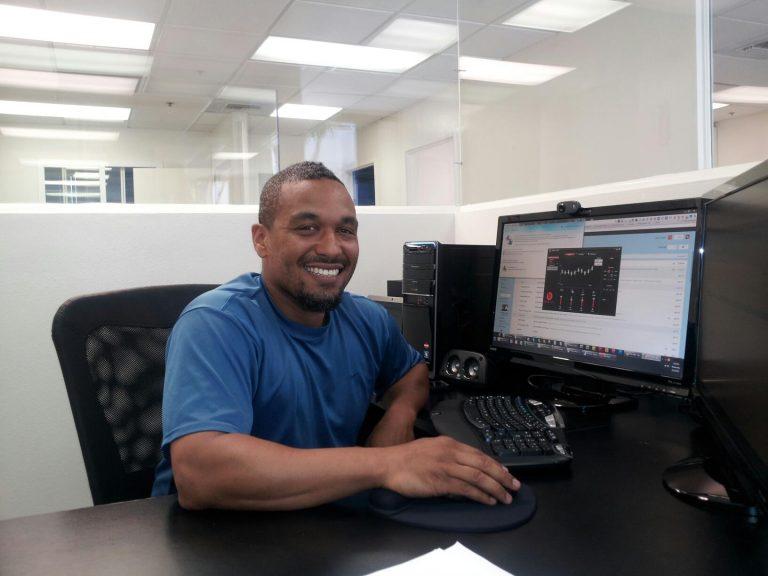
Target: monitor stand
(580, 395)
(694, 480)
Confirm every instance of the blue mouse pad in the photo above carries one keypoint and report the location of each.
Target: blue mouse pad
(454, 515)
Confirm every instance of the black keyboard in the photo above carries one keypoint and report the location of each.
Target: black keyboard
(519, 432)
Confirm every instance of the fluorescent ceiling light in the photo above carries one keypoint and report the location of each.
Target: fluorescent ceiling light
(743, 95)
(504, 72)
(717, 105)
(86, 176)
(53, 134)
(68, 28)
(416, 35)
(74, 194)
(72, 183)
(336, 55)
(235, 155)
(67, 82)
(564, 15)
(73, 111)
(57, 59)
(305, 111)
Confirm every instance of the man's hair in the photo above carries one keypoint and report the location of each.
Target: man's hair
(299, 172)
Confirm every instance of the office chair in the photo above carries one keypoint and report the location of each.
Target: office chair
(111, 349)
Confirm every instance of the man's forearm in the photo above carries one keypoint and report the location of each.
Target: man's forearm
(216, 470)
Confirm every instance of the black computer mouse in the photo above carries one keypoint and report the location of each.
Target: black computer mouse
(454, 514)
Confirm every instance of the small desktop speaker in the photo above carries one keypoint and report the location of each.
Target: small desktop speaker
(465, 367)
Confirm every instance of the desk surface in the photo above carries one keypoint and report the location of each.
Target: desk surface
(610, 515)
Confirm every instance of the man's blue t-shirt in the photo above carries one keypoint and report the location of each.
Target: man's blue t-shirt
(236, 364)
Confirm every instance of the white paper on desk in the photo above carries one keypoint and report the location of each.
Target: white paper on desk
(454, 561)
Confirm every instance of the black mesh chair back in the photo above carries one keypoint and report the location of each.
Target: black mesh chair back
(111, 348)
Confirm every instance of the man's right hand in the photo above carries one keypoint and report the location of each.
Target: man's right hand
(442, 467)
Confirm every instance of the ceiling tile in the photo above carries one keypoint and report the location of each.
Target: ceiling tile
(205, 42)
(248, 16)
(416, 89)
(733, 34)
(754, 11)
(328, 23)
(161, 117)
(350, 82)
(482, 11)
(385, 5)
(169, 67)
(155, 86)
(720, 7)
(435, 8)
(142, 10)
(440, 68)
(255, 73)
(739, 71)
(487, 11)
(381, 105)
(209, 120)
(501, 41)
(322, 99)
(296, 127)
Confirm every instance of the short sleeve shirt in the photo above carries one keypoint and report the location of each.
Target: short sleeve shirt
(235, 364)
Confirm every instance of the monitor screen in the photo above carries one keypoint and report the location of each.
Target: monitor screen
(732, 375)
(610, 288)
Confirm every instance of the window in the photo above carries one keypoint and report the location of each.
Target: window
(365, 187)
(87, 185)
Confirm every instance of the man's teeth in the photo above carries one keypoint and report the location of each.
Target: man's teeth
(323, 271)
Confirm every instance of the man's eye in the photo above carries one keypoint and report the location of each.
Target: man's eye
(347, 231)
(307, 228)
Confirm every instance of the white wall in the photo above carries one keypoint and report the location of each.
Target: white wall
(742, 139)
(51, 253)
(385, 142)
(627, 111)
(476, 223)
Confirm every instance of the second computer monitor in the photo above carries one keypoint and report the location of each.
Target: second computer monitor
(611, 291)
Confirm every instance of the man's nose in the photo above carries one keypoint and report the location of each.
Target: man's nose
(328, 244)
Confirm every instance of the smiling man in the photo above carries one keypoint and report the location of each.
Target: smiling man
(269, 376)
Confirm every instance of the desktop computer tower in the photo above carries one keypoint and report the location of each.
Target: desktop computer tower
(447, 292)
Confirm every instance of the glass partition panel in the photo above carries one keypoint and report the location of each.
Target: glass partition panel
(211, 101)
(740, 81)
(562, 94)
(368, 87)
(158, 124)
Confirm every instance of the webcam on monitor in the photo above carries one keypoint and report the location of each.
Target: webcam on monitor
(569, 207)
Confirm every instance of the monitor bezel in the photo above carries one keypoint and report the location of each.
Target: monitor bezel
(610, 374)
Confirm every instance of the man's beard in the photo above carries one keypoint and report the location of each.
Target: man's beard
(314, 303)
(320, 302)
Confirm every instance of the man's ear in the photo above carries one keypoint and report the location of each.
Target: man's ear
(260, 237)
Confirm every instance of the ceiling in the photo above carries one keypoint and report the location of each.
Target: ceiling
(201, 46)
(737, 27)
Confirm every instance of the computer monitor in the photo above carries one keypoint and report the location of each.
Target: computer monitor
(608, 292)
(731, 387)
